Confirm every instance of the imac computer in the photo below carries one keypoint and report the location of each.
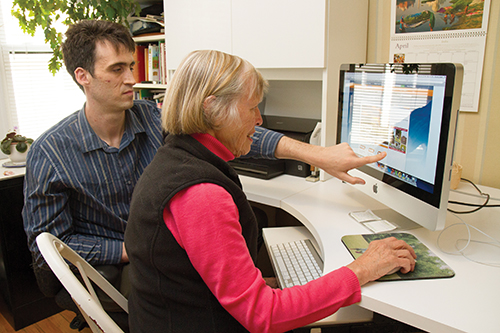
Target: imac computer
(410, 112)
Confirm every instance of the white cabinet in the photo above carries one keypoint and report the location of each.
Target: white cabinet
(268, 33)
(279, 33)
(196, 25)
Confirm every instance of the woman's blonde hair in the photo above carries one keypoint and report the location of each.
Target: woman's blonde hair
(203, 74)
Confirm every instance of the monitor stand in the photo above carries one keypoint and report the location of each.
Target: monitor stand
(402, 222)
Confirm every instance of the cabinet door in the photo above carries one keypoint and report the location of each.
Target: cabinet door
(280, 33)
(196, 25)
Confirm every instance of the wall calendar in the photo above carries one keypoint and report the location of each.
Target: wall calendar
(429, 31)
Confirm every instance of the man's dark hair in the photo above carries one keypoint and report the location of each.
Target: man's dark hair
(81, 38)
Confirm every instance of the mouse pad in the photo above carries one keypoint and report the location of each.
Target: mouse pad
(429, 265)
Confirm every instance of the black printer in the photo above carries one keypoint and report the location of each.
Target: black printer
(296, 128)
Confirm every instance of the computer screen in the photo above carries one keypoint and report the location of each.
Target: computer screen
(410, 112)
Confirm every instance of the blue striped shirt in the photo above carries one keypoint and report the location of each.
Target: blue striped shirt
(79, 188)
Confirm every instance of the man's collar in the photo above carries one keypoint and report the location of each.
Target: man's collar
(91, 141)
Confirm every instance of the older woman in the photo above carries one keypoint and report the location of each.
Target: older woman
(192, 236)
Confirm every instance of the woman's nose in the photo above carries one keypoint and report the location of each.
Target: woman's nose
(259, 118)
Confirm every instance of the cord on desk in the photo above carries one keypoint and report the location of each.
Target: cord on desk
(479, 206)
(468, 241)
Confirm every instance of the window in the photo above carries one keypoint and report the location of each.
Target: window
(31, 98)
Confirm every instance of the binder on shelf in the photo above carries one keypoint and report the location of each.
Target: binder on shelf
(139, 68)
(146, 63)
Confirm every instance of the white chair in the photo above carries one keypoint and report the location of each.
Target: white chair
(55, 252)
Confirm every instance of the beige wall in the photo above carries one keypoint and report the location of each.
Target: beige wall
(477, 147)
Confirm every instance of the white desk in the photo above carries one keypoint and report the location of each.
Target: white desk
(8, 173)
(467, 302)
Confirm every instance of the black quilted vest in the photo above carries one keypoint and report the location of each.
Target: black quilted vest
(168, 295)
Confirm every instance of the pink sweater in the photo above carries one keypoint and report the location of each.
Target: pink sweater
(218, 252)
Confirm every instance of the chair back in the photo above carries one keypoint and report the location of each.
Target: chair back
(56, 253)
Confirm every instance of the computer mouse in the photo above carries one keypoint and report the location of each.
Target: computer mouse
(395, 270)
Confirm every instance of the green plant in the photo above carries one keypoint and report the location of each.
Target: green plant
(47, 14)
(13, 137)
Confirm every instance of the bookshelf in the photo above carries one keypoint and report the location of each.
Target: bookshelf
(148, 87)
(150, 38)
(150, 50)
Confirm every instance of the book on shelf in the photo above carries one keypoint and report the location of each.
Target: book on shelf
(146, 63)
(139, 68)
(163, 62)
(153, 63)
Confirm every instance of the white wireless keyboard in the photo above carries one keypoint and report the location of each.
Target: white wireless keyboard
(295, 263)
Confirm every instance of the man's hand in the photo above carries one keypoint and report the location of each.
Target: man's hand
(124, 254)
(336, 160)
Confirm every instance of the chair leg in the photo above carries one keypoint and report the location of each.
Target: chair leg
(50, 286)
(78, 323)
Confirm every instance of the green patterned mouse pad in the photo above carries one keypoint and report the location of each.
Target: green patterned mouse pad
(429, 265)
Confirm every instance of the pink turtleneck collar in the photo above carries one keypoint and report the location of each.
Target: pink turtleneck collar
(214, 145)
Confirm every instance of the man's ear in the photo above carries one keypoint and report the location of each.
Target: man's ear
(82, 76)
(208, 104)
